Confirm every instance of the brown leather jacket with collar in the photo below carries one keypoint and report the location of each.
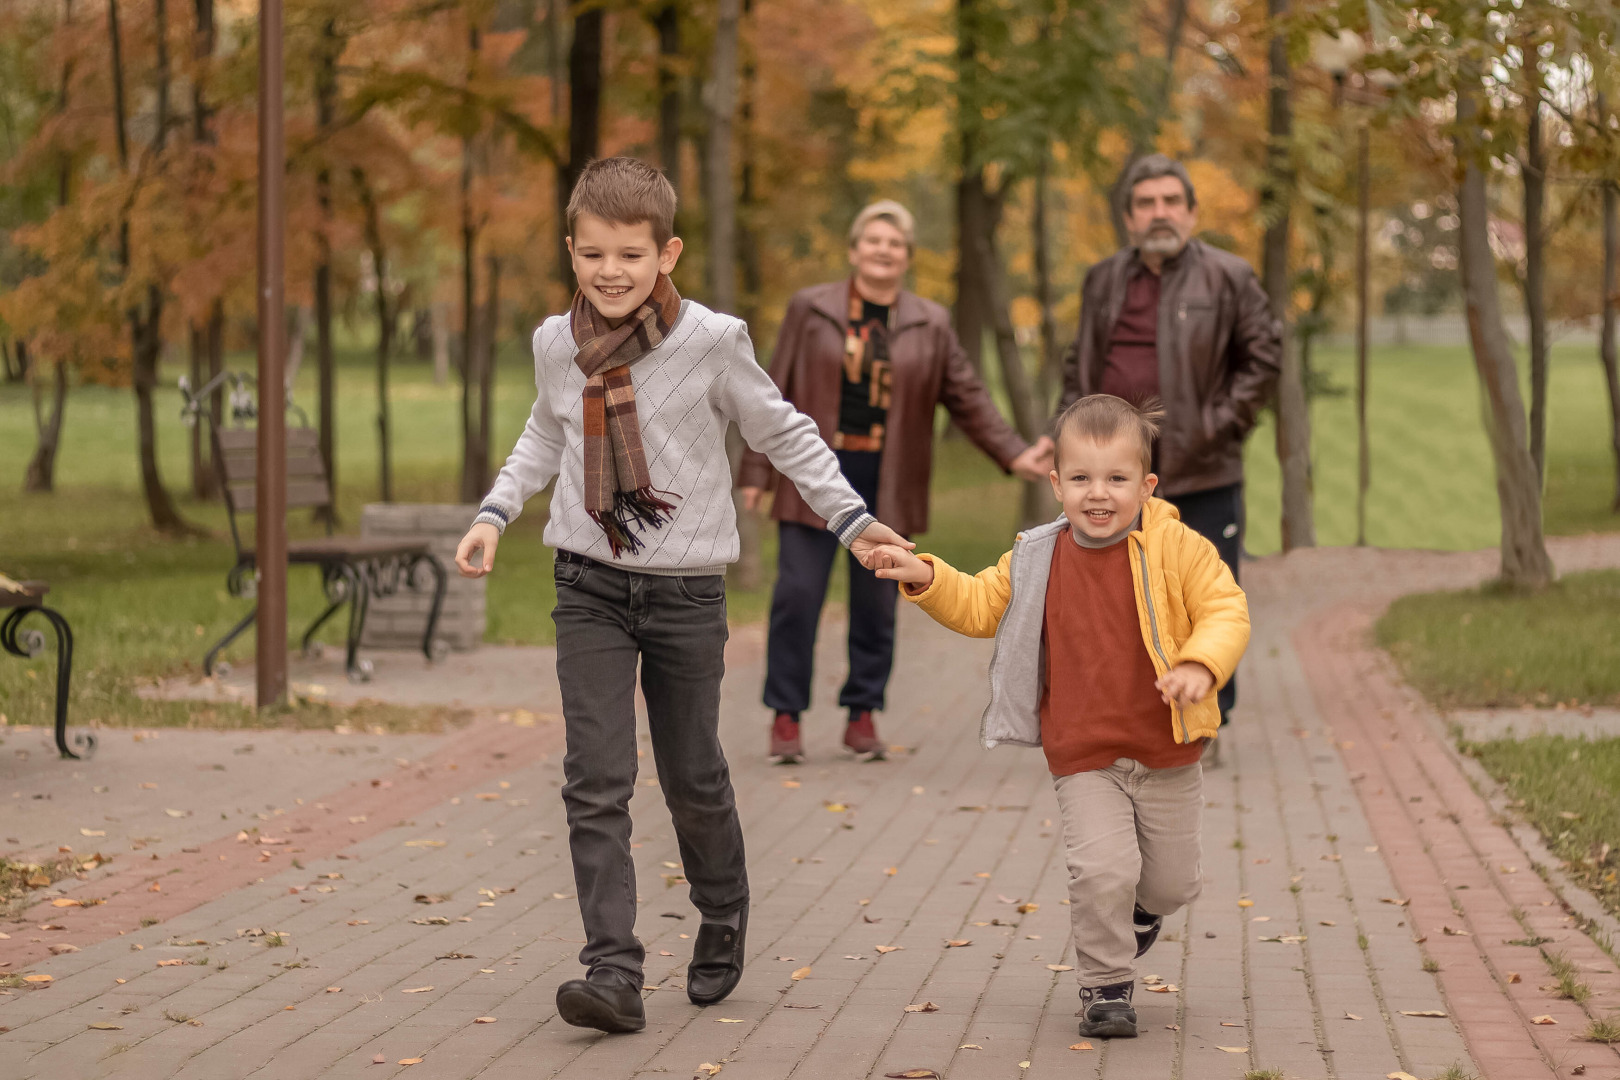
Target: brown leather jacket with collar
(1219, 348)
(928, 368)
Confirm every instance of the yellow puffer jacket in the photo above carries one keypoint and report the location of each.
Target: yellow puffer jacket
(1187, 603)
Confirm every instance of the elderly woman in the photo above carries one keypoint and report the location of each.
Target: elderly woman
(869, 361)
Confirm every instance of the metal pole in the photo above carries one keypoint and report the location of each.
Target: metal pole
(1363, 462)
(271, 487)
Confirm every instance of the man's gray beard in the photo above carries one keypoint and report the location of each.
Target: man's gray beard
(1160, 244)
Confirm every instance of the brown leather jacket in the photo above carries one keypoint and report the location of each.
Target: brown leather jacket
(1219, 354)
(928, 367)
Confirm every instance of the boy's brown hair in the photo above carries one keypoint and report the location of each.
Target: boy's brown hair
(1104, 418)
(625, 191)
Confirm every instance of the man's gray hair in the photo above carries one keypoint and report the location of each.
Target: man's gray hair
(1152, 167)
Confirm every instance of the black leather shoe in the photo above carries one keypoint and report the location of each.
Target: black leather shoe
(607, 999)
(717, 961)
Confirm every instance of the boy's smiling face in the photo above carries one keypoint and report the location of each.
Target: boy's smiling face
(617, 265)
(1102, 485)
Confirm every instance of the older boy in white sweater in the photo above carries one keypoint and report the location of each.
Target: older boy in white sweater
(635, 389)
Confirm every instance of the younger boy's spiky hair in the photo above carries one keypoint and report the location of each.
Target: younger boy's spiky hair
(1104, 418)
(625, 191)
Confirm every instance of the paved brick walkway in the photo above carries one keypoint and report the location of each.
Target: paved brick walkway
(1291, 960)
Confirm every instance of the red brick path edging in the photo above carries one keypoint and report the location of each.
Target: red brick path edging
(1470, 887)
(136, 888)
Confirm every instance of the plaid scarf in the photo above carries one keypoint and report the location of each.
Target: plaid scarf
(618, 488)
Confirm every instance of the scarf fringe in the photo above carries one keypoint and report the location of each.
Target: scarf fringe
(642, 508)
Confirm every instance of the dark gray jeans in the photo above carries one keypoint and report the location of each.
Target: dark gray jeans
(608, 620)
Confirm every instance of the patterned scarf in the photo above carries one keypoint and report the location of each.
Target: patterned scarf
(618, 488)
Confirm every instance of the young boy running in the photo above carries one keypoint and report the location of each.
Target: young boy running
(1113, 625)
(635, 387)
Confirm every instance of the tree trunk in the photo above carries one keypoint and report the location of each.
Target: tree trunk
(720, 207)
(972, 208)
(41, 474)
(748, 248)
(214, 339)
(1525, 563)
(326, 376)
(385, 333)
(1293, 410)
(1027, 416)
(145, 323)
(1606, 348)
(1534, 174)
(1050, 378)
(584, 114)
(668, 24)
(198, 363)
(474, 440)
(488, 342)
(441, 342)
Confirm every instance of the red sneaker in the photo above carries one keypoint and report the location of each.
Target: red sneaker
(785, 744)
(861, 735)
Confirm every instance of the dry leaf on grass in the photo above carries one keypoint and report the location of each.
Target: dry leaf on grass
(923, 1006)
(1542, 1020)
(1081, 1046)
(801, 973)
(1423, 1012)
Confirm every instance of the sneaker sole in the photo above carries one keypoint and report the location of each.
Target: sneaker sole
(589, 1011)
(1109, 1029)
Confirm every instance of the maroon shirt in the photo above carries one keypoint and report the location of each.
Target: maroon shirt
(1131, 365)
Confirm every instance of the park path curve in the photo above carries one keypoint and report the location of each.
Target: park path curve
(457, 903)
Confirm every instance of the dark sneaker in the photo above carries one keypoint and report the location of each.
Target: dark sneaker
(861, 735)
(1147, 929)
(1106, 1011)
(717, 961)
(607, 999)
(785, 744)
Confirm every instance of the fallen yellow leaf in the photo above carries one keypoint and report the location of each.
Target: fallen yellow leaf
(1059, 967)
(170, 963)
(1234, 1049)
(417, 990)
(1399, 1076)
(1245, 903)
(483, 1019)
(410, 1061)
(727, 1020)
(65, 901)
(1422, 1012)
(1025, 909)
(92, 832)
(1542, 1020)
(885, 949)
(923, 1006)
(802, 973)
(102, 1025)
(959, 943)
(37, 978)
(711, 1069)
(1081, 1046)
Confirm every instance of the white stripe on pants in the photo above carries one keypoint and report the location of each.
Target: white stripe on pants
(1132, 837)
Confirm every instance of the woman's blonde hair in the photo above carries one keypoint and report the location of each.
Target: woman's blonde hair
(890, 211)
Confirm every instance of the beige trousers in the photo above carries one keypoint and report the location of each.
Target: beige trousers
(1132, 837)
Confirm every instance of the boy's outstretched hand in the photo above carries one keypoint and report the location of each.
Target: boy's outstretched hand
(876, 535)
(1186, 684)
(479, 542)
(898, 564)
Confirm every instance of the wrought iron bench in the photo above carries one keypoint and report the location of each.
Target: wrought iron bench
(353, 569)
(18, 606)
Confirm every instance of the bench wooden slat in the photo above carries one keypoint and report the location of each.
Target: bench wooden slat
(300, 493)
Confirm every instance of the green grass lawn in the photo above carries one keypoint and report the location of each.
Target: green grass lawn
(1565, 787)
(1480, 648)
(145, 606)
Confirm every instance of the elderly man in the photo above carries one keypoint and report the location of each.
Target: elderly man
(1172, 317)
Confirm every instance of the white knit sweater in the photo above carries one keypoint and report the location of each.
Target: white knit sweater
(703, 377)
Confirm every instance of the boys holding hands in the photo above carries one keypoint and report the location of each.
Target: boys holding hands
(1113, 626)
(635, 388)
